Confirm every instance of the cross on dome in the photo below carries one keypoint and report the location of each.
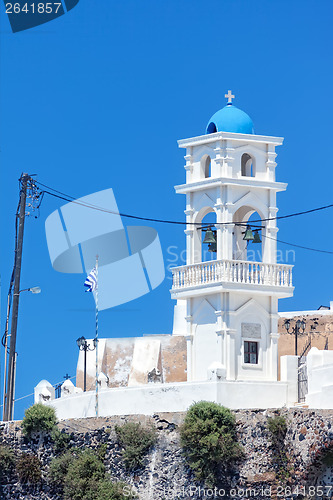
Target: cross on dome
(229, 96)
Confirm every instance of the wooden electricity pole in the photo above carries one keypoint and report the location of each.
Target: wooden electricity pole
(9, 396)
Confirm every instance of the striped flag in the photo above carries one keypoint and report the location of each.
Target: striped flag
(91, 281)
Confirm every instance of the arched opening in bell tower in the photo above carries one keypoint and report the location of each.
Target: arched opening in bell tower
(248, 165)
(205, 164)
(251, 250)
(209, 250)
(203, 252)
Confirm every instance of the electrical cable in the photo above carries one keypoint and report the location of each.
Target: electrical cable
(67, 197)
(28, 395)
(297, 246)
(70, 198)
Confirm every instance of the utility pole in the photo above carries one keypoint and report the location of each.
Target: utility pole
(9, 397)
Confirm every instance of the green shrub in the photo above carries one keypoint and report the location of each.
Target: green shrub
(38, 419)
(82, 477)
(58, 468)
(28, 468)
(136, 440)
(60, 440)
(277, 427)
(7, 461)
(327, 458)
(208, 437)
(113, 491)
(101, 451)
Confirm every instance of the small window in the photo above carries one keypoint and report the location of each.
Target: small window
(247, 165)
(251, 352)
(206, 166)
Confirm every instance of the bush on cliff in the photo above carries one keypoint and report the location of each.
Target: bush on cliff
(38, 419)
(80, 475)
(136, 441)
(277, 428)
(208, 437)
(113, 491)
(59, 468)
(7, 462)
(28, 468)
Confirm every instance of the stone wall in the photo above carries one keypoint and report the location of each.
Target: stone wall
(318, 327)
(127, 361)
(166, 475)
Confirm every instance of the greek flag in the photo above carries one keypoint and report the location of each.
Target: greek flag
(91, 281)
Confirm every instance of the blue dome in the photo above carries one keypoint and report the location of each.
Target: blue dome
(230, 119)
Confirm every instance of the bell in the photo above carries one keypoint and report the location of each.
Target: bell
(248, 236)
(212, 247)
(256, 237)
(209, 236)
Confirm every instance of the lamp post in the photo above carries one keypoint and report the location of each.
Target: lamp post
(84, 346)
(9, 379)
(299, 326)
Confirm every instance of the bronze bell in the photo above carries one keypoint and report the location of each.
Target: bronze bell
(248, 236)
(256, 237)
(212, 247)
(209, 236)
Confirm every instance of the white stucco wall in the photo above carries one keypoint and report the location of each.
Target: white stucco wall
(320, 312)
(152, 398)
(288, 373)
(320, 379)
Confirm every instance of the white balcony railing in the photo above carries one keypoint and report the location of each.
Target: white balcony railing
(232, 271)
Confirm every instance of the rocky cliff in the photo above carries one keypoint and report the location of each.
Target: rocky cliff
(305, 471)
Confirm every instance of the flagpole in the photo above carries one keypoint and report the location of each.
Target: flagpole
(96, 336)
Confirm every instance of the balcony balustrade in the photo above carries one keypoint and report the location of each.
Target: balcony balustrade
(232, 271)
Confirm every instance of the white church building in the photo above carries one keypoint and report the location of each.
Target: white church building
(224, 344)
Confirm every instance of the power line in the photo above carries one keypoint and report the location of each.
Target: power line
(66, 197)
(72, 199)
(298, 246)
(29, 395)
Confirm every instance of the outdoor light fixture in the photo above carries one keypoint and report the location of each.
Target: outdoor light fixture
(299, 327)
(80, 342)
(84, 346)
(34, 289)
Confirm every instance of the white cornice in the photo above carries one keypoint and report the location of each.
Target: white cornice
(228, 181)
(250, 138)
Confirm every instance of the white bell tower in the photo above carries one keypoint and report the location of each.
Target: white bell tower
(227, 308)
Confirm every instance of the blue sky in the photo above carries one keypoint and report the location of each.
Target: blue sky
(98, 98)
